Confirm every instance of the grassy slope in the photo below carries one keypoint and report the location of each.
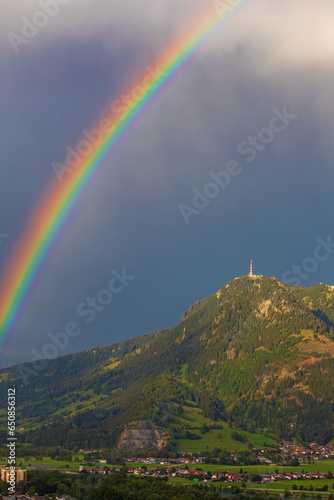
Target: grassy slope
(215, 438)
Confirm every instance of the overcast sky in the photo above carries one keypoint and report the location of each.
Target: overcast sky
(257, 102)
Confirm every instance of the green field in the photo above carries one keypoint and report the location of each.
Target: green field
(178, 480)
(323, 466)
(279, 485)
(57, 464)
(306, 483)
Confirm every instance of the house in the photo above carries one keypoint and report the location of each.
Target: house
(266, 478)
(196, 472)
(219, 474)
(138, 471)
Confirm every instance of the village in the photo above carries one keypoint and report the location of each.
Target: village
(224, 476)
(279, 467)
(313, 451)
(183, 466)
(170, 469)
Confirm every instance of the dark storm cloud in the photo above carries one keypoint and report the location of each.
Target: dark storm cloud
(128, 216)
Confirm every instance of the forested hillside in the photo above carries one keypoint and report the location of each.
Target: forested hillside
(258, 355)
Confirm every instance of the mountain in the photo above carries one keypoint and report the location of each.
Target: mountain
(257, 356)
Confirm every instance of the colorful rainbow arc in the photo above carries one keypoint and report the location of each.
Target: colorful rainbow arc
(50, 213)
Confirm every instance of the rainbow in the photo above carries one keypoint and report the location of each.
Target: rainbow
(49, 215)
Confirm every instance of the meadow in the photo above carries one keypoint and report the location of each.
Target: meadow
(215, 438)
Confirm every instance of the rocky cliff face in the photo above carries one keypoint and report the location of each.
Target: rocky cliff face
(142, 434)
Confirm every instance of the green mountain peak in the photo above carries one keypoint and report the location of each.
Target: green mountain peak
(257, 354)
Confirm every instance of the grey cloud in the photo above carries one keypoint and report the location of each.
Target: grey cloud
(128, 215)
